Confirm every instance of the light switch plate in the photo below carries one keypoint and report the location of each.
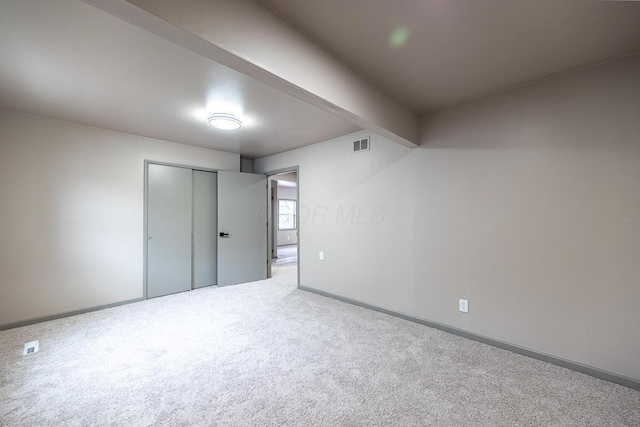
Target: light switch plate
(321, 256)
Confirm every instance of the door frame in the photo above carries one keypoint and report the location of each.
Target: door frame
(145, 227)
(271, 226)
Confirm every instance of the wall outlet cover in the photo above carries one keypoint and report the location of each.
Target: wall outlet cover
(463, 305)
(31, 347)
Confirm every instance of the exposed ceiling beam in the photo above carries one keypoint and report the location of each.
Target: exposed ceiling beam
(248, 37)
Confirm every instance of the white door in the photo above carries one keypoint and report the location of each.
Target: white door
(242, 227)
(169, 230)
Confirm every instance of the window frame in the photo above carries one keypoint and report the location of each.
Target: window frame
(294, 214)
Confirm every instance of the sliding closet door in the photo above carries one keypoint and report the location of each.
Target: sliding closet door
(205, 228)
(169, 230)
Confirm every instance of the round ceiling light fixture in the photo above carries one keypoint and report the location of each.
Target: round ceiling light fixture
(224, 121)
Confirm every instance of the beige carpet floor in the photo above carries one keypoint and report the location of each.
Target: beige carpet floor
(267, 354)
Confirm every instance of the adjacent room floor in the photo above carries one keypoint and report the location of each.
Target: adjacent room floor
(265, 353)
(287, 254)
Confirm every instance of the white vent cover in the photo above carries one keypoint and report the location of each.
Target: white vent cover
(361, 145)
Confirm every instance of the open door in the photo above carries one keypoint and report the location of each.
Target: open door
(242, 227)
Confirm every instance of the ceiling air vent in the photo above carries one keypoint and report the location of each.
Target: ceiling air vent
(361, 145)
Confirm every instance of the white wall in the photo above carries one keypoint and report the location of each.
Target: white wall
(527, 203)
(287, 237)
(71, 213)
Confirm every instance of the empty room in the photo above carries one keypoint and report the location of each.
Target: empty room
(319, 213)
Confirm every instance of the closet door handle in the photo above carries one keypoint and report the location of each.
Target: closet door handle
(224, 235)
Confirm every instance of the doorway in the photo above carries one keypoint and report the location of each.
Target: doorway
(284, 224)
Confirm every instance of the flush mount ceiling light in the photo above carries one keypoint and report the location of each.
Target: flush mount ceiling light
(224, 121)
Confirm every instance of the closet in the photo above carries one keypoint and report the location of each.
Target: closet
(203, 228)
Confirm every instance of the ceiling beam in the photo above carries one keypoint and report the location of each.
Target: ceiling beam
(251, 39)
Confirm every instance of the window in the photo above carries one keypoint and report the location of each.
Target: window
(286, 214)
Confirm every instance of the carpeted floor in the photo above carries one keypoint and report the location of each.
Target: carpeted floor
(287, 254)
(266, 354)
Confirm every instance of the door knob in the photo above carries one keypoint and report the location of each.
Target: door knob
(224, 235)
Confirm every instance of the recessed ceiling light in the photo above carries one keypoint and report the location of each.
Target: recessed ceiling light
(224, 121)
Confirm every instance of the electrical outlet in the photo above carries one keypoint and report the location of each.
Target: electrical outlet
(463, 305)
(321, 256)
(31, 347)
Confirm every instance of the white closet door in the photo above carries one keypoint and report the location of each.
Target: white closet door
(242, 227)
(168, 230)
(205, 231)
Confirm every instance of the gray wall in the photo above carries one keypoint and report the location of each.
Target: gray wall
(526, 203)
(71, 213)
(246, 165)
(287, 237)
